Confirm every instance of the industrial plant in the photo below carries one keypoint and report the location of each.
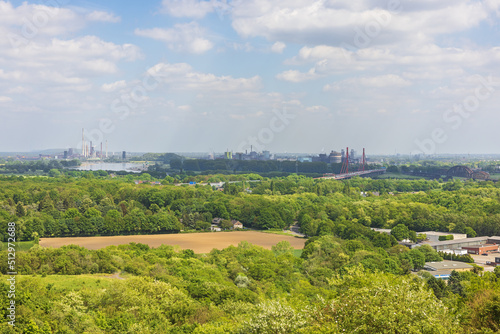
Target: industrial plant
(89, 151)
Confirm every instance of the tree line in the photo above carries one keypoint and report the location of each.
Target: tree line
(82, 205)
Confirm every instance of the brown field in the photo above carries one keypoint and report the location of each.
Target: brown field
(198, 242)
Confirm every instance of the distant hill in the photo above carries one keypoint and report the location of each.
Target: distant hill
(51, 151)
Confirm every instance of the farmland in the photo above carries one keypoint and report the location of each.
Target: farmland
(198, 242)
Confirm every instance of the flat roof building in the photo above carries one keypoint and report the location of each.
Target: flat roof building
(447, 265)
(455, 251)
(457, 244)
(443, 269)
(481, 249)
(434, 236)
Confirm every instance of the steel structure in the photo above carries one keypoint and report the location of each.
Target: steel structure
(464, 171)
(345, 164)
(460, 171)
(480, 175)
(362, 167)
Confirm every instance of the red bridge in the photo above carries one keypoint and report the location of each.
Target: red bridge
(344, 171)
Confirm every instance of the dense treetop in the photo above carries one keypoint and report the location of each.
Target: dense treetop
(348, 278)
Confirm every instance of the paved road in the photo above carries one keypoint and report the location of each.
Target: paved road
(295, 230)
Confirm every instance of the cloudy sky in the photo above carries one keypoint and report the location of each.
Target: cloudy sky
(285, 76)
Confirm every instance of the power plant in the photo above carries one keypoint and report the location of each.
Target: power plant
(90, 151)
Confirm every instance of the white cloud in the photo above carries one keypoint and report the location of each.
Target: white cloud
(336, 22)
(102, 17)
(315, 109)
(26, 23)
(28, 20)
(182, 76)
(312, 54)
(188, 37)
(55, 69)
(113, 86)
(34, 47)
(297, 76)
(189, 8)
(381, 81)
(4, 99)
(421, 62)
(83, 57)
(185, 107)
(278, 47)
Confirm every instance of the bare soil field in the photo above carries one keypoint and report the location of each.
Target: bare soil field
(198, 242)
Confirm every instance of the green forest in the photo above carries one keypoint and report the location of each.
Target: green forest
(348, 278)
(98, 204)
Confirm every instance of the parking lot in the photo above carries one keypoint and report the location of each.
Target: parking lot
(481, 260)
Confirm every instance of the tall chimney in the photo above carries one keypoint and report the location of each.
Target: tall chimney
(83, 142)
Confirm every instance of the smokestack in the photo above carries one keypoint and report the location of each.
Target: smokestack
(83, 142)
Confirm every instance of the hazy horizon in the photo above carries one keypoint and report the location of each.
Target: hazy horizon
(289, 153)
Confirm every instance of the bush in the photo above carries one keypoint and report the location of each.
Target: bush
(461, 258)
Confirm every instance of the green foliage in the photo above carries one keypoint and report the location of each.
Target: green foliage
(483, 311)
(347, 279)
(383, 303)
(429, 253)
(54, 173)
(457, 257)
(438, 286)
(400, 232)
(340, 287)
(282, 247)
(274, 317)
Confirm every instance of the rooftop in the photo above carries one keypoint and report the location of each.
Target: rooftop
(443, 233)
(458, 241)
(447, 265)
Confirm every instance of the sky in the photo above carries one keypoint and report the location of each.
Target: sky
(391, 76)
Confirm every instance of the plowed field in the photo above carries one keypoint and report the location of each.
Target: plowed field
(198, 242)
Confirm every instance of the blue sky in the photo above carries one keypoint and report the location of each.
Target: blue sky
(285, 76)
